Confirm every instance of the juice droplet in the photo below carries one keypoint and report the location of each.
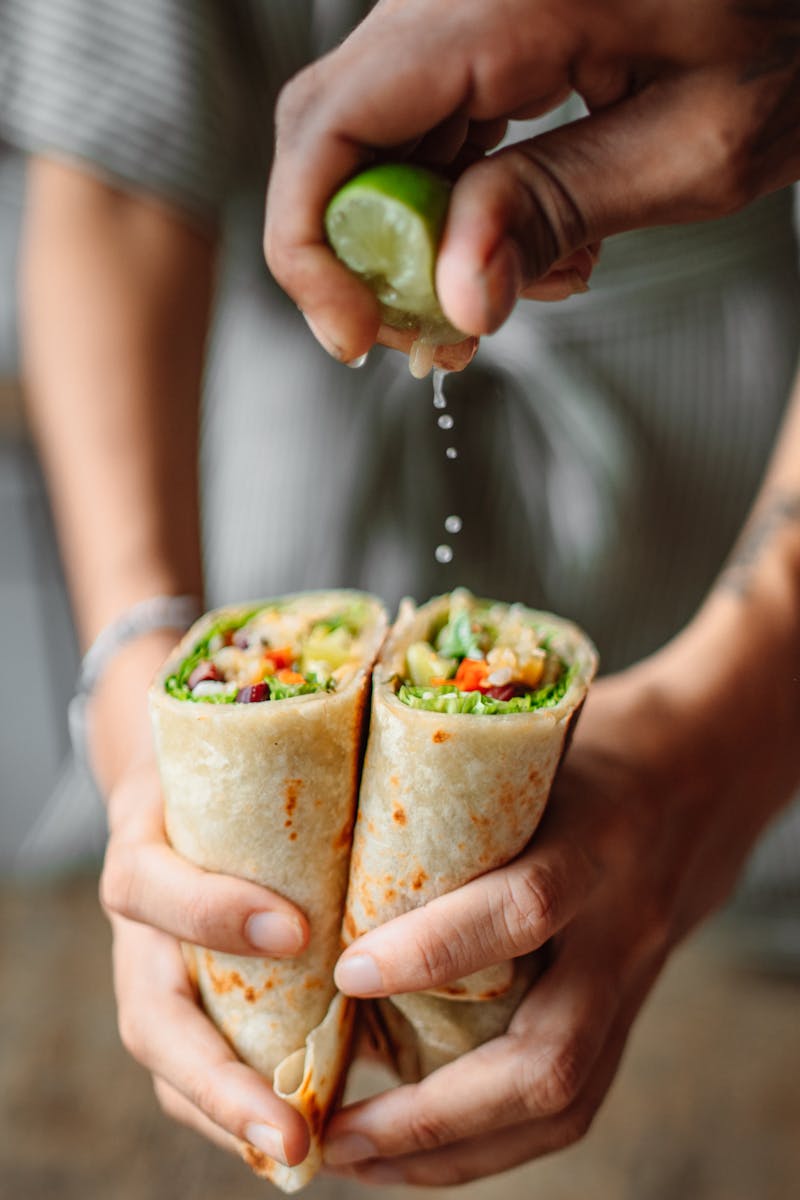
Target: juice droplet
(453, 524)
(443, 554)
(451, 452)
(355, 363)
(439, 398)
(420, 357)
(445, 421)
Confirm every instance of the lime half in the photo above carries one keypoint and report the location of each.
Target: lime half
(385, 224)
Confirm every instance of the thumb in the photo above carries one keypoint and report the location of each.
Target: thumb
(498, 916)
(665, 155)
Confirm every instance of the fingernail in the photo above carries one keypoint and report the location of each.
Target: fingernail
(349, 1148)
(358, 975)
(274, 933)
(268, 1140)
(500, 282)
(355, 363)
(323, 339)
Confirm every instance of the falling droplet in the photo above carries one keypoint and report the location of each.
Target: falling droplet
(445, 421)
(451, 452)
(443, 553)
(453, 524)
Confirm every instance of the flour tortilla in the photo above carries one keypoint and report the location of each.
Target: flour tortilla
(446, 797)
(267, 792)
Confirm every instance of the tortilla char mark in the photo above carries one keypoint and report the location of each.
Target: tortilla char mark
(399, 814)
(310, 1106)
(256, 1159)
(293, 788)
(440, 736)
(225, 981)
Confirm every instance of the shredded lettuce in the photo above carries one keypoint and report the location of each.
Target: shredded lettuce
(447, 699)
(285, 691)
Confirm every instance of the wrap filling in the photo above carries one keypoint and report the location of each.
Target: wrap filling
(484, 657)
(273, 653)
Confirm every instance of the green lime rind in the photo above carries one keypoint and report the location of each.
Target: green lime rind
(419, 189)
(386, 224)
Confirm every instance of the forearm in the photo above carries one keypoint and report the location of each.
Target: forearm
(115, 300)
(725, 694)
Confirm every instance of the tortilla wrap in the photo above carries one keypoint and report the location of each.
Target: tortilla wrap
(267, 792)
(445, 797)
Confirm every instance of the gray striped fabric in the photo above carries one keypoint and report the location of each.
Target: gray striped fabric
(608, 449)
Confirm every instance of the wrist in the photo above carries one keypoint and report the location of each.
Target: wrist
(118, 721)
(108, 716)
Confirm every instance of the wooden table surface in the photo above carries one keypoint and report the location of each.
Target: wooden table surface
(706, 1106)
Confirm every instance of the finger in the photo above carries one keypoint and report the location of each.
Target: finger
(143, 879)
(500, 915)
(162, 1028)
(500, 1150)
(449, 358)
(537, 1069)
(175, 1105)
(516, 213)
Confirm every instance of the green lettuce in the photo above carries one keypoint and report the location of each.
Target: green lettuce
(446, 699)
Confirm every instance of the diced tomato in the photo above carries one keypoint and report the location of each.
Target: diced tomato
(287, 676)
(471, 674)
(283, 657)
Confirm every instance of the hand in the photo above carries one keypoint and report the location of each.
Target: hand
(155, 900)
(695, 111)
(647, 828)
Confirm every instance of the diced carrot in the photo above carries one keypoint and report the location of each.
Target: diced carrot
(471, 674)
(287, 676)
(439, 681)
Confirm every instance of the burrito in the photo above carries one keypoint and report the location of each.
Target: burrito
(258, 718)
(472, 705)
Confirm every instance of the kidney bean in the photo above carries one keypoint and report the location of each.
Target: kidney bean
(503, 691)
(253, 694)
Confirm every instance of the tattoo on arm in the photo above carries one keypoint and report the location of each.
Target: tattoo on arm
(781, 511)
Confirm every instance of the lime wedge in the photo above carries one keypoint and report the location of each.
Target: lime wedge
(385, 224)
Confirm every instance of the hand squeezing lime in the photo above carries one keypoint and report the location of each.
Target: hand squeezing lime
(385, 224)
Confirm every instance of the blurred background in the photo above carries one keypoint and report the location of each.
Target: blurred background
(706, 1105)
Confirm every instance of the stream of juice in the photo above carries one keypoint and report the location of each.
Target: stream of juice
(452, 524)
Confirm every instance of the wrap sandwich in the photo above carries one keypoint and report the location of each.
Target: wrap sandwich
(258, 718)
(472, 705)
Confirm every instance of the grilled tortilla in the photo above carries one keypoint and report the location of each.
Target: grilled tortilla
(471, 708)
(258, 722)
